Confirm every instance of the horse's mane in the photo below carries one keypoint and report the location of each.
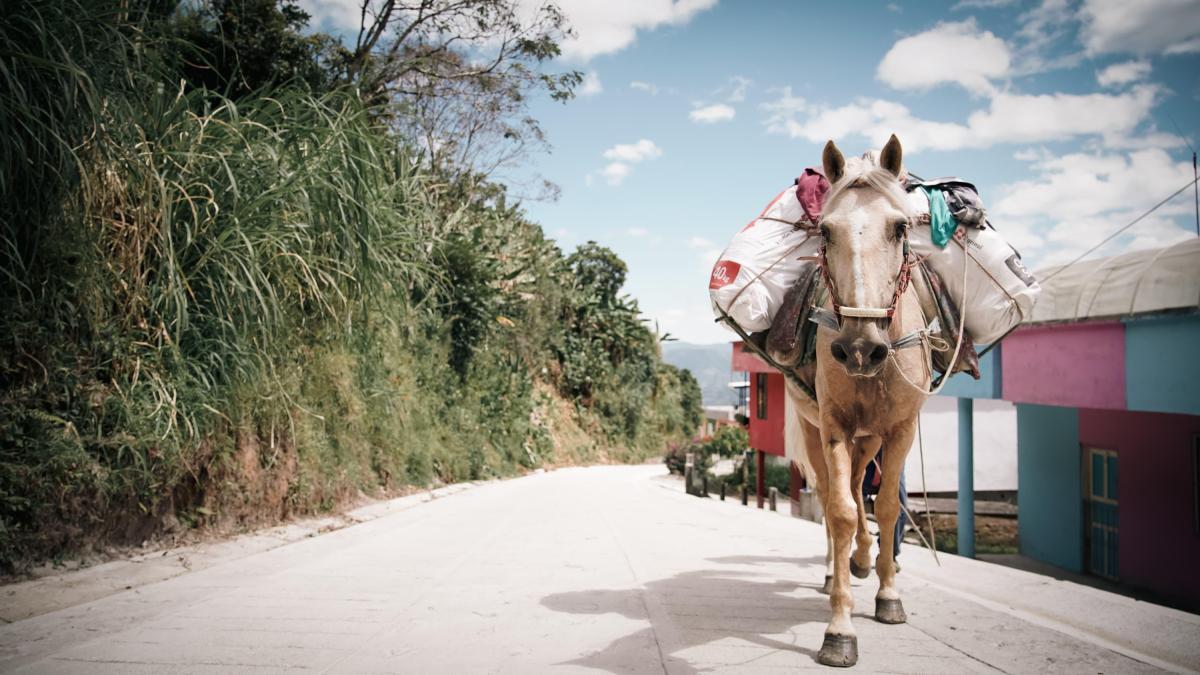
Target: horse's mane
(865, 172)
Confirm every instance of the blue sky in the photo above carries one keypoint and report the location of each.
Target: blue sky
(696, 113)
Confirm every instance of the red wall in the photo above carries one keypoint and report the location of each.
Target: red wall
(1159, 548)
(767, 434)
(1073, 365)
(744, 361)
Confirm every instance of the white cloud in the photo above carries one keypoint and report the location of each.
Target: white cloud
(615, 173)
(921, 61)
(1073, 201)
(637, 232)
(1119, 74)
(634, 152)
(624, 154)
(1143, 27)
(700, 242)
(608, 27)
(1031, 154)
(737, 88)
(647, 87)
(717, 112)
(981, 4)
(335, 13)
(1009, 118)
(894, 8)
(1186, 47)
(591, 84)
(1044, 32)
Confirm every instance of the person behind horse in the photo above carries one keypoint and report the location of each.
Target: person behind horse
(872, 480)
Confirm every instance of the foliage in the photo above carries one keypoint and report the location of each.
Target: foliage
(241, 46)
(776, 476)
(456, 76)
(226, 304)
(728, 441)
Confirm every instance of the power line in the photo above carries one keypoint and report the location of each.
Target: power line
(1110, 237)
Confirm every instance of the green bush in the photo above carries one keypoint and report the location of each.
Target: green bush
(728, 441)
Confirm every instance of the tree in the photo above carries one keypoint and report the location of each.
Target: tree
(458, 75)
(598, 271)
(690, 400)
(241, 46)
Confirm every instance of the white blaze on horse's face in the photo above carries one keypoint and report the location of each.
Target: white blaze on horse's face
(863, 222)
(864, 246)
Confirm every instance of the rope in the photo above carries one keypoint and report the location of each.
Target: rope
(962, 323)
(768, 268)
(909, 514)
(1110, 237)
(925, 492)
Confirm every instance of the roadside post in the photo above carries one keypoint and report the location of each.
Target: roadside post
(966, 477)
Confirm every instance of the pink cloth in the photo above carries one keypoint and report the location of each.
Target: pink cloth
(811, 187)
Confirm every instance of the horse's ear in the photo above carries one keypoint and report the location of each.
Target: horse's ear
(892, 156)
(835, 164)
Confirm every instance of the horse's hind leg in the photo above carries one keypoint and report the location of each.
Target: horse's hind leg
(888, 608)
(864, 449)
(840, 647)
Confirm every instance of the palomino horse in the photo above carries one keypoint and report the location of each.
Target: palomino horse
(863, 401)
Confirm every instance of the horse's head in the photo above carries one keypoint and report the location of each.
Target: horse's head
(865, 254)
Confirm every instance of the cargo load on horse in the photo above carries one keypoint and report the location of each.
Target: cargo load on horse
(762, 261)
(964, 271)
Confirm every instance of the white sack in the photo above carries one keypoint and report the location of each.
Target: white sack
(1000, 292)
(761, 264)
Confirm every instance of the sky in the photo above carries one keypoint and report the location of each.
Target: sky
(1072, 118)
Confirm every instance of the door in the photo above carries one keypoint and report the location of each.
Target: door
(1103, 520)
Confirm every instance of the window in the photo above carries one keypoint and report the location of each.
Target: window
(760, 393)
(1103, 513)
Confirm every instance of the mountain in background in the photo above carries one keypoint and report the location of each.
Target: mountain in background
(710, 366)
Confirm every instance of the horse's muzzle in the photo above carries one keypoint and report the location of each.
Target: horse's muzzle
(861, 357)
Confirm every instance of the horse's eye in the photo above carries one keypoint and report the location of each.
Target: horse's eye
(901, 226)
(825, 233)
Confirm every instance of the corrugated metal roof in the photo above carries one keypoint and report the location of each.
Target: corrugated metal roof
(1141, 282)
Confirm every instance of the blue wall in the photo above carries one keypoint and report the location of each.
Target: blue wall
(987, 386)
(1048, 483)
(1162, 373)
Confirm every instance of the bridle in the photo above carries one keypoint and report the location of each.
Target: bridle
(903, 277)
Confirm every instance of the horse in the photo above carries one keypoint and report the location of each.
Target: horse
(868, 392)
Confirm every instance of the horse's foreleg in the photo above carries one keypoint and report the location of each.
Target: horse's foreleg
(840, 647)
(888, 608)
(863, 451)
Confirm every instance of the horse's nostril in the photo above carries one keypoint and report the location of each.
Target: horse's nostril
(878, 354)
(839, 352)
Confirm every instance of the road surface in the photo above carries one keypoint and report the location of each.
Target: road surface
(586, 570)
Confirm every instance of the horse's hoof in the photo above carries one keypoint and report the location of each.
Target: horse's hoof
(860, 572)
(840, 651)
(828, 587)
(890, 611)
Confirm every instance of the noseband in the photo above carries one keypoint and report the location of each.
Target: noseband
(902, 279)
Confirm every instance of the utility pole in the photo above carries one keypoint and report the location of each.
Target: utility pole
(1196, 191)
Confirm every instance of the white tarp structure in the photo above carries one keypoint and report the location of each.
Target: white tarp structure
(1140, 282)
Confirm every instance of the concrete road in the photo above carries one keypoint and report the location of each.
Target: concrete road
(601, 569)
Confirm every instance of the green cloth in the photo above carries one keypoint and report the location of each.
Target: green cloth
(941, 223)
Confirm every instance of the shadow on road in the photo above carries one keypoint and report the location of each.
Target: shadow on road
(702, 607)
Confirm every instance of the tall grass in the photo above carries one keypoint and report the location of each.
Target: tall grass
(223, 311)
